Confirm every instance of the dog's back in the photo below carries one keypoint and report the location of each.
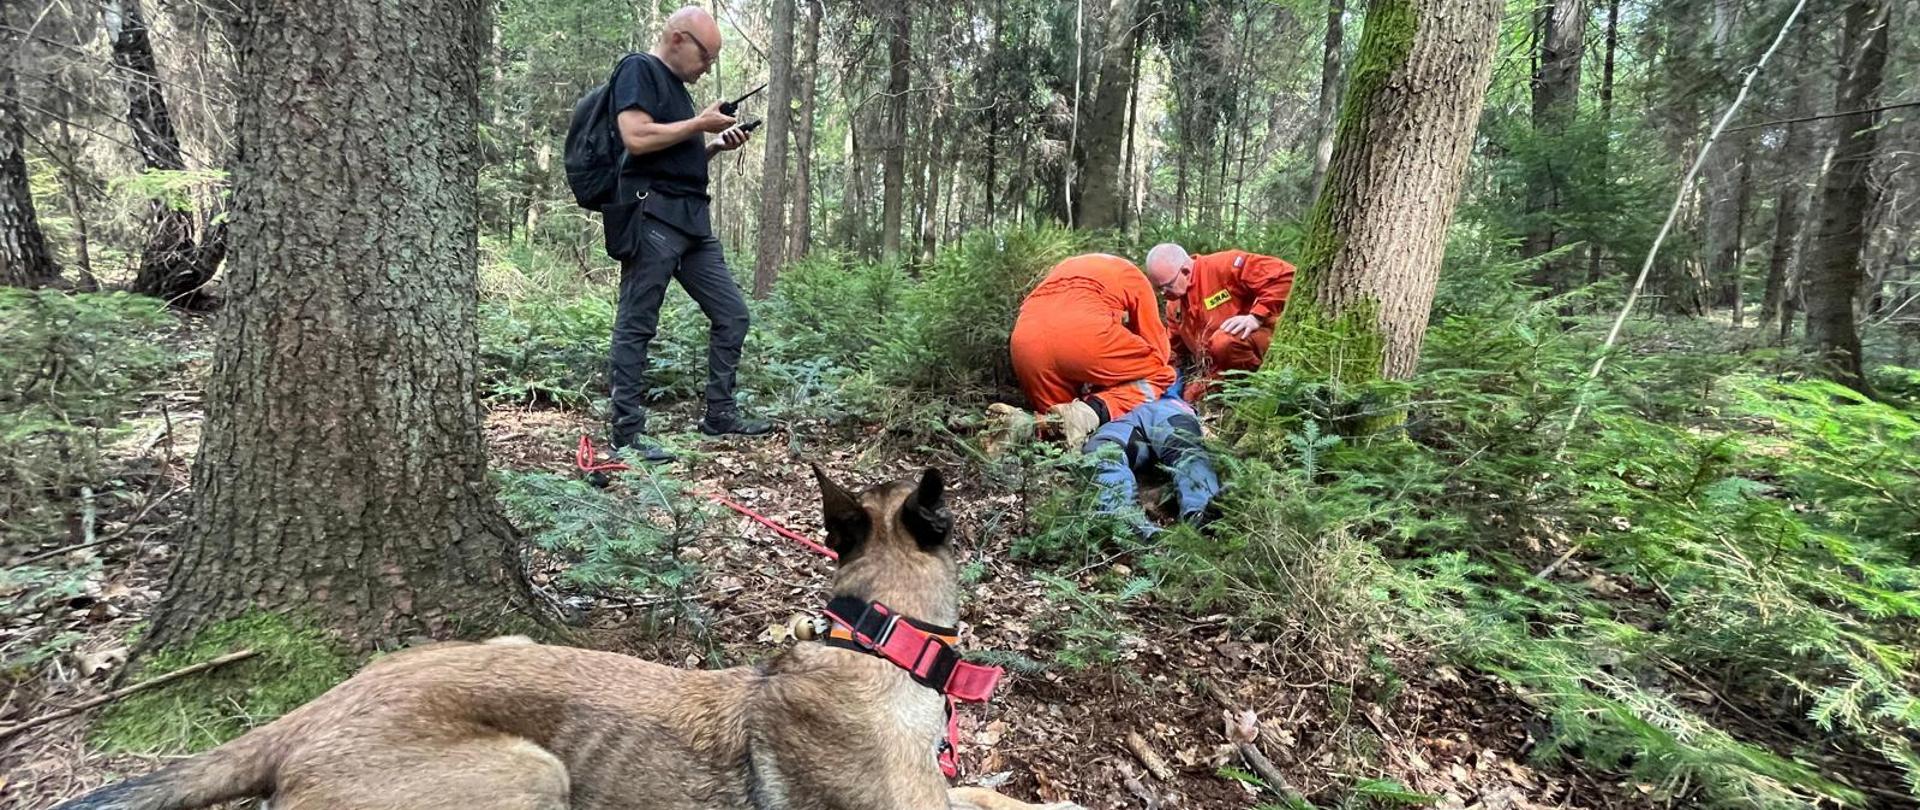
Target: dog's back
(468, 726)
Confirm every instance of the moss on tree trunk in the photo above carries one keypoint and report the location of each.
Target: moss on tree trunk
(1370, 258)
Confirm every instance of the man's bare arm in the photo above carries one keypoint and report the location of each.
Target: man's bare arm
(642, 135)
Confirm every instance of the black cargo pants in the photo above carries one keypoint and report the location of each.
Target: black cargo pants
(650, 252)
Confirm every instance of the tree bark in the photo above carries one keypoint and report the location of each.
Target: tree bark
(82, 233)
(1242, 132)
(1180, 187)
(1371, 254)
(343, 474)
(1833, 262)
(994, 100)
(770, 246)
(1100, 199)
(1789, 208)
(1330, 78)
(800, 237)
(936, 160)
(1129, 167)
(25, 260)
(894, 171)
(855, 224)
(172, 266)
(1726, 165)
(1199, 83)
(1594, 251)
(535, 180)
(1556, 104)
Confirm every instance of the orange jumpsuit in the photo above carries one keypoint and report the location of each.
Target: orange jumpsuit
(1092, 331)
(1226, 284)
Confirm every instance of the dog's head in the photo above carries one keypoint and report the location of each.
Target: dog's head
(895, 542)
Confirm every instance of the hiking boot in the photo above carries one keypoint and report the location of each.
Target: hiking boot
(722, 423)
(646, 449)
(1204, 521)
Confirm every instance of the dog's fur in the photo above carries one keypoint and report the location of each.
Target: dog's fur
(513, 725)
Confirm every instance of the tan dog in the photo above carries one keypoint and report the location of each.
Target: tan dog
(512, 724)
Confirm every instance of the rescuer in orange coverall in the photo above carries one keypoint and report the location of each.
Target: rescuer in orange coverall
(1089, 344)
(1221, 307)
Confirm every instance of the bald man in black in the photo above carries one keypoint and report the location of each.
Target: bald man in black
(659, 227)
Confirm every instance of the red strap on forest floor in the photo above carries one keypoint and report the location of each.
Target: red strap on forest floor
(583, 459)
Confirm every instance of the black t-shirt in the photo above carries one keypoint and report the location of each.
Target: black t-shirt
(645, 83)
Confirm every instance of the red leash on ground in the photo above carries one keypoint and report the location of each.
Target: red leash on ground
(583, 458)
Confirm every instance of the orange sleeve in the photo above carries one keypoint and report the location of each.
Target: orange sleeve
(1143, 309)
(1270, 281)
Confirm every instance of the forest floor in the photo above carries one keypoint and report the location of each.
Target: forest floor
(1446, 738)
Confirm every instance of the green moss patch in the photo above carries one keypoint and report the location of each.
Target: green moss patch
(295, 664)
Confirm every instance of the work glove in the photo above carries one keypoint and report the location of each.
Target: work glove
(1077, 421)
(1241, 326)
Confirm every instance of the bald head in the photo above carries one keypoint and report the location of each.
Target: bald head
(693, 19)
(689, 43)
(1165, 263)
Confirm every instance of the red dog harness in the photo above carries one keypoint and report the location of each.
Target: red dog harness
(924, 650)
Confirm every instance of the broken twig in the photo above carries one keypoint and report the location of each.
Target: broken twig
(128, 690)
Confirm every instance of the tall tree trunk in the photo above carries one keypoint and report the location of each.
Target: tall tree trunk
(770, 246)
(1726, 165)
(993, 157)
(1129, 170)
(1790, 203)
(1100, 199)
(542, 170)
(937, 146)
(1371, 254)
(82, 232)
(172, 266)
(853, 225)
(1556, 104)
(1243, 132)
(25, 260)
(994, 99)
(1180, 158)
(717, 169)
(1594, 251)
(949, 215)
(800, 237)
(899, 51)
(343, 474)
(1833, 261)
(1330, 78)
(1795, 300)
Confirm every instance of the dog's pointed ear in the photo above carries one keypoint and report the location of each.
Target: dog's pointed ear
(925, 512)
(846, 520)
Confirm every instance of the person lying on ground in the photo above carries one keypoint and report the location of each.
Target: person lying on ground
(1162, 433)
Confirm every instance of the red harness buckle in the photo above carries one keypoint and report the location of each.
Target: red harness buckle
(927, 654)
(923, 651)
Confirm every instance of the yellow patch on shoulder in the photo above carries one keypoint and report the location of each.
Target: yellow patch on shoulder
(1215, 300)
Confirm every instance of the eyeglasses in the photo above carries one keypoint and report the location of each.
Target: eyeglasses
(706, 56)
(1167, 286)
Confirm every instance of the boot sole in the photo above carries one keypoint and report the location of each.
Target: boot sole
(704, 430)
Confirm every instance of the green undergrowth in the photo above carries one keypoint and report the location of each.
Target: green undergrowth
(1710, 583)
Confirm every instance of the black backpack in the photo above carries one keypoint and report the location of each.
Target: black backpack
(594, 147)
